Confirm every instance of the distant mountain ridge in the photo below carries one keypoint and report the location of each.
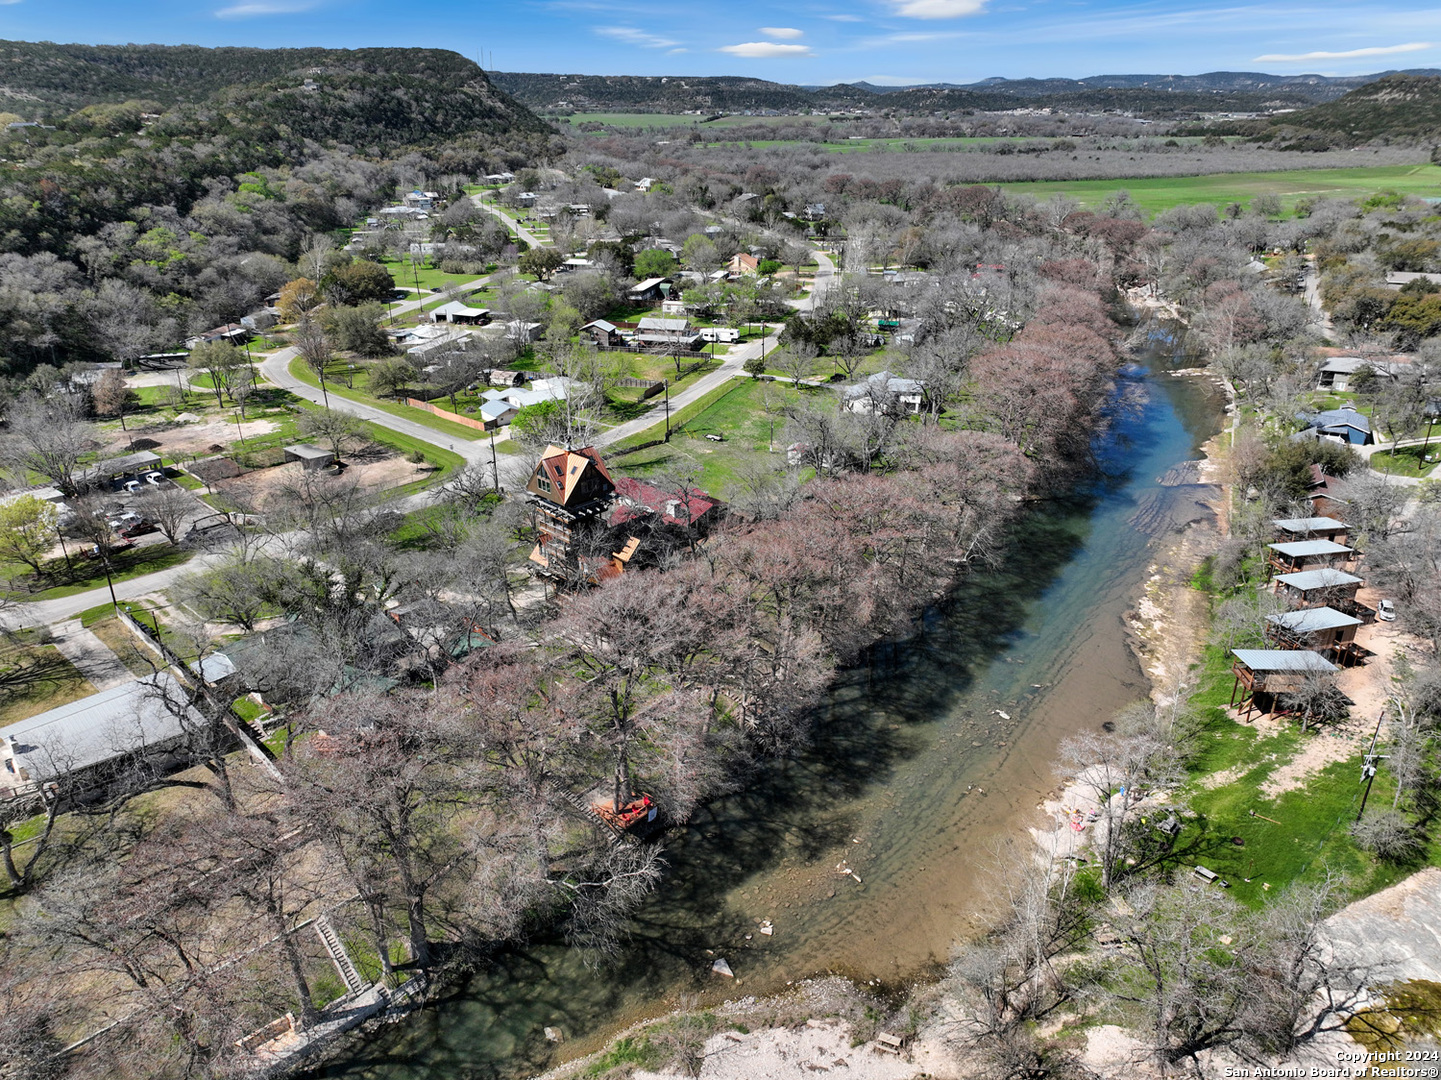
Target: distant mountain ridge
(1217, 90)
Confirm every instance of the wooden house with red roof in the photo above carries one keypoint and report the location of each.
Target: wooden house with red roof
(570, 490)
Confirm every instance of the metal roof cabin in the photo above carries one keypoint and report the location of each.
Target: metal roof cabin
(1320, 629)
(1297, 555)
(309, 456)
(1310, 588)
(1268, 673)
(1311, 527)
(98, 735)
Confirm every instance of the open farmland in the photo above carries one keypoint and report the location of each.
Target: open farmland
(1155, 194)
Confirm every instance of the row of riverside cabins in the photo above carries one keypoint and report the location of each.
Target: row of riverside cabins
(1318, 632)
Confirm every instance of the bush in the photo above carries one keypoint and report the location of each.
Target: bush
(452, 266)
(1387, 835)
(416, 456)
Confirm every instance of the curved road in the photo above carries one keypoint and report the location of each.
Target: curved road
(276, 368)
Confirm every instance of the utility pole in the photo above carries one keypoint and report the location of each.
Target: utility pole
(494, 467)
(667, 410)
(1368, 766)
(239, 430)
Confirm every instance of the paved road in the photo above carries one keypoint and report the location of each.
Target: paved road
(47, 612)
(276, 368)
(520, 230)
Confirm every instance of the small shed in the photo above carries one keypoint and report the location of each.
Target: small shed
(602, 332)
(1268, 673)
(1318, 629)
(1317, 588)
(1297, 555)
(1311, 528)
(309, 456)
(649, 291)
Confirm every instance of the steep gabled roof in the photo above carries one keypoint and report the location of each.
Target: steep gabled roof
(566, 468)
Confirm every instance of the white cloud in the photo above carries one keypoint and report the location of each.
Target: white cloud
(843, 18)
(765, 49)
(937, 9)
(784, 32)
(1378, 50)
(264, 7)
(631, 36)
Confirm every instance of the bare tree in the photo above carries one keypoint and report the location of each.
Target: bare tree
(169, 507)
(48, 436)
(335, 428)
(110, 394)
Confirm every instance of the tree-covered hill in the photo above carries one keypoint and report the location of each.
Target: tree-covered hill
(1159, 96)
(46, 80)
(1396, 106)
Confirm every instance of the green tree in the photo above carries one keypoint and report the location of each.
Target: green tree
(699, 253)
(755, 366)
(222, 362)
(654, 263)
(542, 262)
(357, 329)
(357, 283)
(27, 530)
(389, 378)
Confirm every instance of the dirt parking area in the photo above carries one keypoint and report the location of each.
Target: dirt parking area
(380, 474)
(173, 440)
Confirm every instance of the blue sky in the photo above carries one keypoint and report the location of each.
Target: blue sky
(887, 41)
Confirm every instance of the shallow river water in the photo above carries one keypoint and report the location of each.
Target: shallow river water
(911, 780)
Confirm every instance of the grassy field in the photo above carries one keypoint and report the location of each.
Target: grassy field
(334, 384)
(735, 411)
(1407, 461)
(425, 276)
(1155, 194)
(85, 574)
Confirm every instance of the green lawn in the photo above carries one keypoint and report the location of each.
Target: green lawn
(334, 384)
(1408, 460)
(84, 574)
(424, 277)
(34, 678)
(1155, 194)
(734, 410)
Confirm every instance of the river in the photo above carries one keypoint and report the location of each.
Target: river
(911, 781)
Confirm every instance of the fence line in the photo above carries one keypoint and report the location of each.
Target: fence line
(446, 414)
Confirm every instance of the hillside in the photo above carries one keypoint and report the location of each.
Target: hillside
(1153, 95)
(45, 80)
(1397, 106)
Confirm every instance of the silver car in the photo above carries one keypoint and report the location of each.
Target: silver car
(1386, 611)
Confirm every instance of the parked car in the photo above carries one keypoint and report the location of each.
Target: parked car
(155, 478)
(137, 528)
(1386, 611)
(132, 487)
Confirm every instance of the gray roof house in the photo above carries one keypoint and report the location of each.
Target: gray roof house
(97, 735)
(884, 392)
